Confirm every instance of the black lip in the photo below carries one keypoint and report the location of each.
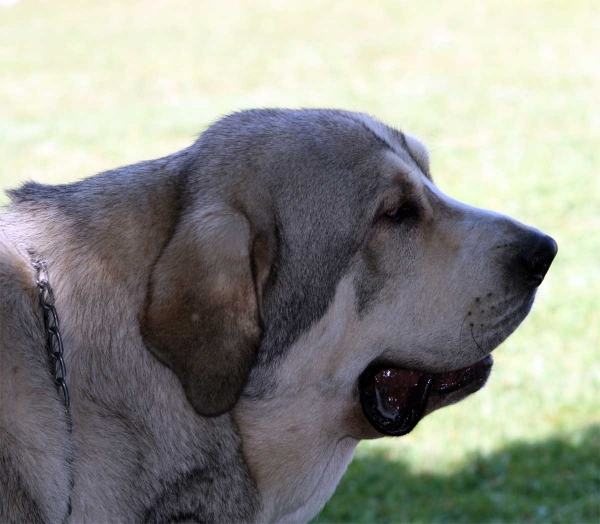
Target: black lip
(415, 389)
(403, 422)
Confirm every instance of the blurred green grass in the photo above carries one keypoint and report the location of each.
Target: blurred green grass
(506, 94)
(546, 481)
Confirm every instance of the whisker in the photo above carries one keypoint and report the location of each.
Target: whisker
(461, 328)
(476, 343)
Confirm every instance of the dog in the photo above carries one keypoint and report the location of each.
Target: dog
(237, 316)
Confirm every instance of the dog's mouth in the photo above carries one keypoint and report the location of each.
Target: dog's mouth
(393, 400)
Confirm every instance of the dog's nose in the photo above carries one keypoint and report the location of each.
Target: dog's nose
(537, 257)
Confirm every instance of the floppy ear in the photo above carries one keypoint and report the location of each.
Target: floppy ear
(201, 315)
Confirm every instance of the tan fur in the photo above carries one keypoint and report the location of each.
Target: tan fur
(27, 409)
(259, 262)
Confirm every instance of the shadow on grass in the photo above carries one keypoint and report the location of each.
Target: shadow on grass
(556, 480)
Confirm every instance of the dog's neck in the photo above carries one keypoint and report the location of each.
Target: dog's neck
(103, 233)
(99, 242)
(104, 244)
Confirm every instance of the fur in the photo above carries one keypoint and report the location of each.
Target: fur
(217, 308)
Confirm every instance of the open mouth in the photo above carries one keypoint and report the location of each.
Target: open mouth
(394, 400)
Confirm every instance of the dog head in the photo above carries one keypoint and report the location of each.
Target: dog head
(314, 258)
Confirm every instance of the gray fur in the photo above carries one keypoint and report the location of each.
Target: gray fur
(294, 196)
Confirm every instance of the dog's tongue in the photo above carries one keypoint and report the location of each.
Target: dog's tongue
(394, 399)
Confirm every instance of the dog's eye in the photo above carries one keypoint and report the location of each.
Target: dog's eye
(403, 212)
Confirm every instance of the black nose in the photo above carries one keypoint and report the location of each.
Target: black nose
(537, 257)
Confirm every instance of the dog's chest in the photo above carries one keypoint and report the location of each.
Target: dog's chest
(296, 453)
(324, 482)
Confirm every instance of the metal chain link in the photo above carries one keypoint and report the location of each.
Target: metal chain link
(54, 344)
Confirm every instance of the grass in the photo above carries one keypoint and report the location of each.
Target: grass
(505, 94)
(546, 481)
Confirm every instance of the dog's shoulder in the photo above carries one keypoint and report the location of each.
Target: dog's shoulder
(18, 319)
(34, 443)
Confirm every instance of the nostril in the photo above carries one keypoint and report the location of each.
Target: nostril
(538, 257)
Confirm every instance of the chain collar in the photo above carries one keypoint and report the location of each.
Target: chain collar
(54, 344)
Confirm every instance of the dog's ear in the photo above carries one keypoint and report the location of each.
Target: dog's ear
(201, 314)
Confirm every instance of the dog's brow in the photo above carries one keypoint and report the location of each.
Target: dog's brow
(407, 181)
(417, 161)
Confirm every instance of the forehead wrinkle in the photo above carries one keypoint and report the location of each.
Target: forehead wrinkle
(408, 179)
(380, 131)
(403, 174)
(395, 141)
(417, 160)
